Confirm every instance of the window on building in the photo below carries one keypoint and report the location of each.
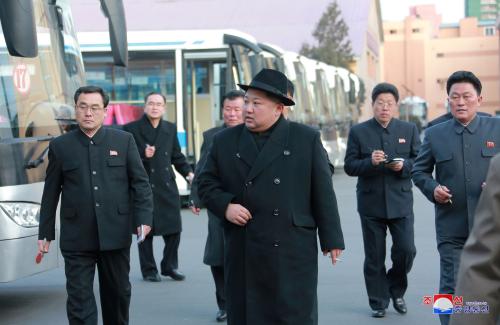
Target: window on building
(489, 31)
(393, 31)
(488, 2)
(488, 16)
(415, 30)
(440, 55)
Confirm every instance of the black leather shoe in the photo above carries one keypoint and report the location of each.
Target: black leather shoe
(221, 316)
(379, 313)
(155, 277)
(400, 305)
(174, 274)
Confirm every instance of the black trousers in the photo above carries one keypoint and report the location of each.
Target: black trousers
(220, 295)
(114, 287)
(449, 250)
(170, 254)
(382, 285)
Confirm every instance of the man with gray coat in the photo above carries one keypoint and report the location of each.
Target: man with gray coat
(460, 150)
(232, 114)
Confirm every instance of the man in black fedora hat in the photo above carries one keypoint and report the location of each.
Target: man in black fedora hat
(272, 214)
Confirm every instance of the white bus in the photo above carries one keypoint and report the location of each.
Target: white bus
(40, 69)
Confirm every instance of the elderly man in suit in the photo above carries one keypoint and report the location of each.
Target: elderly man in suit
(385, 198)
(232, 114)
(95, 169)
(272, 214)
(479, 275)
(460, 150)
(159, 149)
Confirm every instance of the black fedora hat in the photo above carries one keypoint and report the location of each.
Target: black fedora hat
(272, 82)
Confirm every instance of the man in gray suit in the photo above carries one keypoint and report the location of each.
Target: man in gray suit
(460, 150)
(479, 275)
(232, 114)
(385, 197)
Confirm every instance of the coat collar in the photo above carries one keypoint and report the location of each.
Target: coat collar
(390, 127)
(145, 127)
(274, 147)
(472, 126)
(97, 138)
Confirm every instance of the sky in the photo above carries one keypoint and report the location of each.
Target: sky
(451, 10)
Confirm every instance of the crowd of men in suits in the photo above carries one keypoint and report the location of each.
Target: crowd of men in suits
(264, 217)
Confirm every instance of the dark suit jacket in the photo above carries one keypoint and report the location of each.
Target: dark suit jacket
(479, 275)
(461, 157)
(382, 192)
(166, 215)
(449, 116)
(96, 178)
(271, 263)
(214, 247)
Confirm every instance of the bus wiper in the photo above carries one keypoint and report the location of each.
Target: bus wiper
(41, 158)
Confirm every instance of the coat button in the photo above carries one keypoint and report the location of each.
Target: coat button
(97, 205)
(276, 243)
(152, 170)
(286, 152)
(166, 153)
(167, 183)
(152, 185)
(238, 155)
(277, 181)
(94, 172)
(249, 183)
(276, 212)
(96, 188)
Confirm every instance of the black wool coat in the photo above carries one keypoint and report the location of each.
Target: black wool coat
(166, 212)
(271, 264)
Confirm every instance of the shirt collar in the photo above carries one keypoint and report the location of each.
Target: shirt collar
(389, 128)
(471, 127)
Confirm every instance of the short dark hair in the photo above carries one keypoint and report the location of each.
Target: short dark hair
(463, 76)
(290, 88)
(384, 88)
(233, 94)
(91, 90)
(155, 93)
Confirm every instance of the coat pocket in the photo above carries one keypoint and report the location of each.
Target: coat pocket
(443, 157)
(303, 220)
(115, 162)
(123, 208)
(489, 152)
(68, 213)
(70, 165)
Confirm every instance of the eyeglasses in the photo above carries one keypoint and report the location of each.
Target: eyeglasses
(93, 108)
(157, 104)
(380, 103)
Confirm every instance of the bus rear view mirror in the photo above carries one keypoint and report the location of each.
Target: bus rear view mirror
(113, 10)
(20, 41)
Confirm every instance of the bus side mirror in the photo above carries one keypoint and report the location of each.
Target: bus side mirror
(20, 41)
(113, 10)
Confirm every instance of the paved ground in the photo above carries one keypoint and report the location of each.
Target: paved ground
(40, 299)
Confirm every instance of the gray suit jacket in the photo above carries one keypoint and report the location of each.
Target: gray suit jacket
(479, 275)
(461, 156)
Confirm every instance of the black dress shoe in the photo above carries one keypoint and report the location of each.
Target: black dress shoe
(221, 316)
(155, 277)
(400, 305)
(378, 313)
(174, 274)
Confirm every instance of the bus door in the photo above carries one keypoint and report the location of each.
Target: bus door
(205, 81)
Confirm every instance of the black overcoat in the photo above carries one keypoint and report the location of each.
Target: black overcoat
(214, 247)
(166, 212)
(95, 179)
(271, 264)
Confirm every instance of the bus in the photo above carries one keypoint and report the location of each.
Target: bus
(195, 68)
(414, 109)
(40, 69)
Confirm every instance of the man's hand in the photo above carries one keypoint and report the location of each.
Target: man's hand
(395, 166)
(195, 209)
(237, 214)
(442, 194)
(378, 156)
(43, 246)
(334, 254)
(190, 177)
(147, 230)
(149, 152)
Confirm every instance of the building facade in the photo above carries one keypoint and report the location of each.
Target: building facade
(483, 10)
(421, 53)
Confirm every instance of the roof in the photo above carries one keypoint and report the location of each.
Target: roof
(285, 23)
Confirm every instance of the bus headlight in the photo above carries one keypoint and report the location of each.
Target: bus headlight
(24, 214)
